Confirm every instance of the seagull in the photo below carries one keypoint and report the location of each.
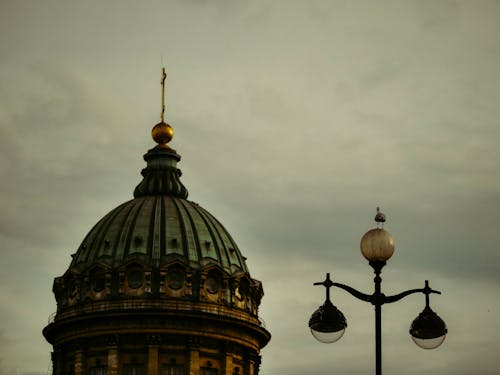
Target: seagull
(379, 217)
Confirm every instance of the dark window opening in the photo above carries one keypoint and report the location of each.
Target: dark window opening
(208, 371)
(134, 369)
(172, 370)
(99, 370)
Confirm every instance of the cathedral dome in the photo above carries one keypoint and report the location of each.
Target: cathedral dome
(158, 245)
(159, 226)
(157, 230)
(157, 283)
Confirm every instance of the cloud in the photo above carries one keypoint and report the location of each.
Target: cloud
(294, 121)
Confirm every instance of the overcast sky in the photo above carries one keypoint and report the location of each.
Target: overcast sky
(295, 119)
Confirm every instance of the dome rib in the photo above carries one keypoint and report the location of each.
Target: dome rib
(122, 212)
(154, 239)
(94, 251)
(235, 253)
(175, 237)
(193, 255)
(127, 228)
(216, 246)
(205, 239)
(137, 244)
(119, 222)
(192, 230)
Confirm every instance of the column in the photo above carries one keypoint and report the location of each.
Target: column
(56, 362)
(79, 362)
(113, 356)
(227, 364)
(257, 361)
(226, 350)
(251, 362)
(194, 355)
(153, 354)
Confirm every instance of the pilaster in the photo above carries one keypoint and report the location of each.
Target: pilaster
(194, 356)
(79, 362)
(153, 355)
(113, 356)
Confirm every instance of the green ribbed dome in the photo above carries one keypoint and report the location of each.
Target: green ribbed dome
(159, 225)
(156, 229)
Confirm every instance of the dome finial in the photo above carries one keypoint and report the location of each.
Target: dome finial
(162, 132)
(163, 78)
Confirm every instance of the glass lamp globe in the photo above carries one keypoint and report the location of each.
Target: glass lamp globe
(377, 245)
(428, 330)
(327, 337)
(327, 323)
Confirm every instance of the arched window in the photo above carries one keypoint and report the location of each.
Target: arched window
(135, 277)
(213, 282)
(175, 278)
(98, 280)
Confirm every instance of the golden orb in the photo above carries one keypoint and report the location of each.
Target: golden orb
(162, 133)
(377, 244)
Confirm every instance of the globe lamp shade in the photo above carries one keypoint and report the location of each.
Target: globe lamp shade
(377, 245)
(327, 323)
(428, 330)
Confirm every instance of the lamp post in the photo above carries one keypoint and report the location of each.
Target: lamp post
(328, 324)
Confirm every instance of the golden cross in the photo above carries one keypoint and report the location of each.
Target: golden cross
(163, 77)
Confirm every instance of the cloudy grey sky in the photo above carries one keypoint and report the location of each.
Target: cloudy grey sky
(295, 119)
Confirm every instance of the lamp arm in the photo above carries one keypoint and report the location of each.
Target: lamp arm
(397, 297)
(354, 292)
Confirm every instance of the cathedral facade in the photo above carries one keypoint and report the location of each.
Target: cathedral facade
(157, 287)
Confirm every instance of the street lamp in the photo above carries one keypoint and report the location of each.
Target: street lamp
(328, 324)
